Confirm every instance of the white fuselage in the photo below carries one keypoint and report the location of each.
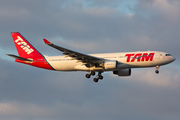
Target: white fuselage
(119, 63)
(125, 60)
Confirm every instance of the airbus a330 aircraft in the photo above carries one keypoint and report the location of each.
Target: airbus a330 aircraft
(119, 63)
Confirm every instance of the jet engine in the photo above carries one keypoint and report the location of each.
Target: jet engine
(111, 64)
(124, 72)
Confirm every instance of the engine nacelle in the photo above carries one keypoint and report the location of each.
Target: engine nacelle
(124, 72)
(112, 64)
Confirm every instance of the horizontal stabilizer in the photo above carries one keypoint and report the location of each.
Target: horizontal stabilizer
(19, 58)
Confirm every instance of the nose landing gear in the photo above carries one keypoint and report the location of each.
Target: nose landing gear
(157, 71)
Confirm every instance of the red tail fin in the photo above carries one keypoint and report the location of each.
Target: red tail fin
(28, 54)
(24, 48)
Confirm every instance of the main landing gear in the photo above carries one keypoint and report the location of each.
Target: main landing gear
(157, 71)
(91, 73)
(99, 76)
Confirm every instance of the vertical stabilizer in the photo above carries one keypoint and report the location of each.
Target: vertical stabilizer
(24, 48)
(27, 53)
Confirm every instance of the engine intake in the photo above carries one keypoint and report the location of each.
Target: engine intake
(124, 72)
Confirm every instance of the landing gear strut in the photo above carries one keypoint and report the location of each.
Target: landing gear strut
(157, 71)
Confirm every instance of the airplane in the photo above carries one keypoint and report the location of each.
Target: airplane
(119, 63)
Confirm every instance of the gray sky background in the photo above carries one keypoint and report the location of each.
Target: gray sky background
(90, 26)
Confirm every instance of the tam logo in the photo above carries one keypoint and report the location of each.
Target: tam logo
(140, 57)
(24, 45)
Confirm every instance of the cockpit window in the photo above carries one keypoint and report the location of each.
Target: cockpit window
(168, 55)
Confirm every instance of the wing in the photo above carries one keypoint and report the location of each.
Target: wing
(85, 59)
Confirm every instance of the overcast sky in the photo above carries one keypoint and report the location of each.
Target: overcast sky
(90, 26)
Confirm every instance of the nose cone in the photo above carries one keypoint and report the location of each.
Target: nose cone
(173, 59)
(170, 60)
(167, 58)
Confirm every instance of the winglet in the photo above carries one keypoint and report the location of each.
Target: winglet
(46, 41)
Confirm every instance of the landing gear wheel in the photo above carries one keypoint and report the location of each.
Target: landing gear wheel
(95, 80)
(100, 77)
(157, 71)
(88, 76)
(93, 73)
